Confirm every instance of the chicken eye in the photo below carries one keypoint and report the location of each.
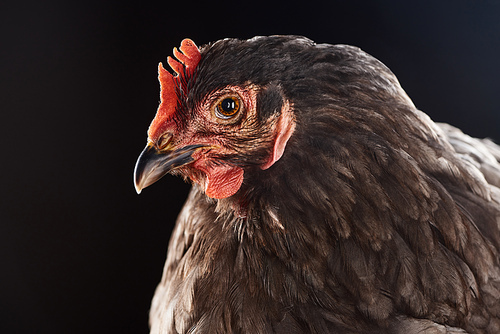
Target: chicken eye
(227, 107)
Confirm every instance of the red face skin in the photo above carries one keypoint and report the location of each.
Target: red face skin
(214, 131)
(206, 128)
(218, 180)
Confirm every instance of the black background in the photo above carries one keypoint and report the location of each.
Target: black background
(80, 251)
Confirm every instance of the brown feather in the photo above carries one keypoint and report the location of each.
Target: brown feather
(374, 220)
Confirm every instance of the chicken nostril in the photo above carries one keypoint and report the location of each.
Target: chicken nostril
(164, 141)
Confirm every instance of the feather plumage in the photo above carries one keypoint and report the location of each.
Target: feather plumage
(374, 219)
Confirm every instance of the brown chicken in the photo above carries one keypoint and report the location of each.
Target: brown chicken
(323, 201)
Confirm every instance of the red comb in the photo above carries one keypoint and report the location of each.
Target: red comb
(188, 58)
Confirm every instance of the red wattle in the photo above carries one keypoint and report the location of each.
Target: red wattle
(222, 181)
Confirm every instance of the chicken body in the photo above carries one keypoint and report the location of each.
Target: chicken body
(323, 201)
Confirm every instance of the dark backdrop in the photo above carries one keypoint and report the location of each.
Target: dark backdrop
(80, 251)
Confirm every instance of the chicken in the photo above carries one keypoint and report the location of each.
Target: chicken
(323, 201)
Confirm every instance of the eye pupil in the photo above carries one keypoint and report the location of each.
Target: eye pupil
(228, 105)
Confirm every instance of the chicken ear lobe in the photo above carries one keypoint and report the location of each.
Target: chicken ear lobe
(283, 129)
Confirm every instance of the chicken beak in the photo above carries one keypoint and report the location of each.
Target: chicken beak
(153, 164)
